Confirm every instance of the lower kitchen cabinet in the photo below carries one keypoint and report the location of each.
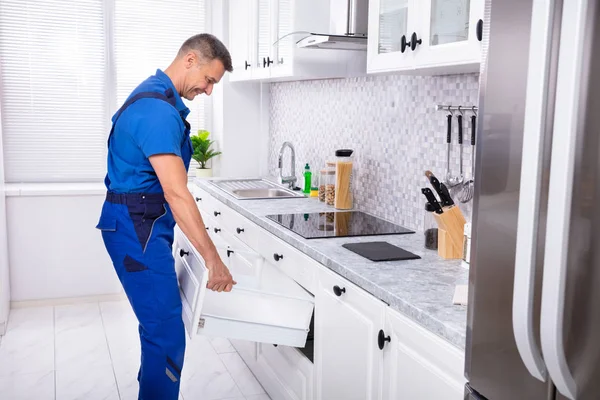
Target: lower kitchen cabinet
(348, 361)
(363, 349)
(418, 364)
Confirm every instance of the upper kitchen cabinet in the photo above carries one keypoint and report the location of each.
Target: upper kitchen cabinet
(240, 40)
(279, 40)
(425, 37)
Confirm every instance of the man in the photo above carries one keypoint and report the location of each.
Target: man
(149, 151)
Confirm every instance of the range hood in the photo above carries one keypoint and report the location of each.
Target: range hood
(347, 27)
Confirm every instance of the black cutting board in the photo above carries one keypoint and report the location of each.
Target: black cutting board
(380, 251)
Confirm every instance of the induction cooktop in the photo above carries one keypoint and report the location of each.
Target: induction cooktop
(337, 224)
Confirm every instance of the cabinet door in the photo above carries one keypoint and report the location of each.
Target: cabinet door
(284, 48)
(418, 364)
(239, 39)
(391, 23)
(347, 357)
(449, 34)
(263, 38)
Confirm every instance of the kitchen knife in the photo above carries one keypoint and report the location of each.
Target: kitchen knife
(441, 189)
(432, 200)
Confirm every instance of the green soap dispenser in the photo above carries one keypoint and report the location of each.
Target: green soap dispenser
(307, 179)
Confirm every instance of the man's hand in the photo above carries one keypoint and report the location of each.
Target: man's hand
(173, 178)
(219, 278)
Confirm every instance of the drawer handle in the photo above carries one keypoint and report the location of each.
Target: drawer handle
(239, 230)
(274, 345)
(217, 213)
(381, 339)
(182, 253)
(207, 228)
(198, 199)
(277, 257)
(338, 290)
(217, 230)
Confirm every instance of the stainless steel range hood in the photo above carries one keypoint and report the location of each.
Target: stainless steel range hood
(347, 28)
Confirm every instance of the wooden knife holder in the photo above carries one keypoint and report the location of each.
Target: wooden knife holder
(451, 225)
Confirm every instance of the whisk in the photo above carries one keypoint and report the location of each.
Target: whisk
(467, 190)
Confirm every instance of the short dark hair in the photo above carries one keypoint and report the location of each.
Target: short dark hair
(209, 47)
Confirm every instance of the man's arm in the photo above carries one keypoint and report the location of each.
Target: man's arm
(173, 178)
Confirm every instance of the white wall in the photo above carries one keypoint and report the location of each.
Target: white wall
(240, 116)
(54, 249)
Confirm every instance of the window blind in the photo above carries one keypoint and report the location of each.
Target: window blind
(147, 36)
(53, 76)
(58, 90)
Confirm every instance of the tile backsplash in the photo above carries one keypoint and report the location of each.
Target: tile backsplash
(391, 124)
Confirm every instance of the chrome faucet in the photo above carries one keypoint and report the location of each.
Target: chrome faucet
(290, 180)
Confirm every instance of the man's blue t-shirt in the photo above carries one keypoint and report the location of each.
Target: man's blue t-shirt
(147, 127)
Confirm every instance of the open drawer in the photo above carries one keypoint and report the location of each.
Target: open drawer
(265, 306)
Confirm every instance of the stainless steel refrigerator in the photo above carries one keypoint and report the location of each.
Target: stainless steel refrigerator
(534, 282)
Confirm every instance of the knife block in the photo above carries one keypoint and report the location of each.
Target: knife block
(451, 225)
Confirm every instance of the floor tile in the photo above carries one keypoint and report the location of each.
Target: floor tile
(241, 374)
(221, 345)
(92, 384)
(28, 346)
(205, 376)
(80, 338)
(258, 397)
(76, 316)
(38, 386)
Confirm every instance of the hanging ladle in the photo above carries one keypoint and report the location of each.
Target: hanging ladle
(452, 181)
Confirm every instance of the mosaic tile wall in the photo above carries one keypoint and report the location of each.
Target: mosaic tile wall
(391, 124)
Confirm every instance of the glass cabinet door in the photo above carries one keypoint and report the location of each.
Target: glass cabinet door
(393, 24)
(450, 34)
(449, 21)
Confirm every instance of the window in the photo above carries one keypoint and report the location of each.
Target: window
(58, 89)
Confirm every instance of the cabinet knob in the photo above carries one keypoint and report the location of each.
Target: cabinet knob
(404, 44)
(246, 65)
(414, 41)
(229, 253)
(239, 230)
(182, 253)
(267, 62)
(198, 199)
(274, 345)
(338, 290)
(381, 339)
(277, 257)
(217, 213)
(479, 30)
(207, 228)
(217, 230)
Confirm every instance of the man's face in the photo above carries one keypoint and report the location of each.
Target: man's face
(201, 77)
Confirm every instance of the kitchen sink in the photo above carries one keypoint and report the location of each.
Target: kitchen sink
(254, 189)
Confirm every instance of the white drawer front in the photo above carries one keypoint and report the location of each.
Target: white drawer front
(265, 306)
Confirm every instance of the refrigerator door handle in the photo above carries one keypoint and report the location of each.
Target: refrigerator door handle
(567, 122)
(531, 176)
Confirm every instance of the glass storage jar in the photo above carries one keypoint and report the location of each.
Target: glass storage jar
(343, 183)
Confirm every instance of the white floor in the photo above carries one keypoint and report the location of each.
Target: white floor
(91, 352)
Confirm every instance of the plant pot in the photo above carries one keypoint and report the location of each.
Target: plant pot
(203, 172)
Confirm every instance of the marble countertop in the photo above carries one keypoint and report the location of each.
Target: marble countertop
(420, 289)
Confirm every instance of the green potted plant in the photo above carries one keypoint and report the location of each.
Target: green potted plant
(203, 153)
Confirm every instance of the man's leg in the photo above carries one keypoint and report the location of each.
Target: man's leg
(150, 282)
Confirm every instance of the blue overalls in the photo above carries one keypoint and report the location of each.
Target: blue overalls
(137, 227)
